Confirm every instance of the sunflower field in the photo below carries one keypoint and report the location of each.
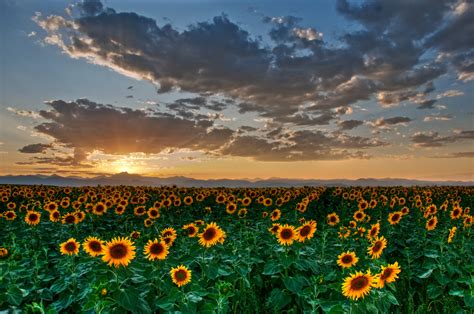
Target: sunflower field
(245, 250)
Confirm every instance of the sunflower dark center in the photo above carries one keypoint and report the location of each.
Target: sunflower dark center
(395, 217)
(332, 219)
(70, 219)
(286, 234)
(180, 275)
(431, 222)
(386, 273)
(209, 234)
(359, 215)
(191, 230)
(95, 246)
(305, 231)
(167, 234)
(359, 283)
(373, 232)
(156, 248)
(99, 208)
(118, 251)
(33, 217)
(52, 206)
(346, 259)
(10, 215)
(377, 246)
(70, 247)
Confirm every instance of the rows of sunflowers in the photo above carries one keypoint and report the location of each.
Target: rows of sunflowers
(222, 250)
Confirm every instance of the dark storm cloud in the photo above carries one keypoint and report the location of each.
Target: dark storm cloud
(433, 139)
(35, 148)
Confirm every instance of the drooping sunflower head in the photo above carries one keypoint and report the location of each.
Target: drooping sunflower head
(388, 274)
(210, 235)
(347, 259)
(155, 250)
(70, 247)
(378, 245)
(93, 246)
(180, 275)
(374, 231)
(286, 235)
(32, 217)
(119, 252)
(357, 285)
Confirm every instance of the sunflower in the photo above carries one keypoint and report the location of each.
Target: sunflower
(452, 231)
(275, 215)
(148, 222)
(99, 209)
(378, 245)
(191, 230)
(352, 224)
(93, 246)
(456, 213)
(70, 247)
(135, 235)
(139, 210)
(153, 213)
(32, 217)
(180, 275)
(80, 215)
(211, 235)
(69, 218)
(467, 221)
(169, 232)
(347, 259)
(388, 274)
(286, 235)
(306, 231)
(10, 215)
(242, 212)
(394, 218)
(231, 208)
(50, 206)
(431, 223)
(119, 251)
(357, 285)
(374, 231)
(156, 249)
(359, 215)
(120, 209)
(333, 219)
(274, 228)
(3, 252)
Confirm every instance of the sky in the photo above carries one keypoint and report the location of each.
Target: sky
(238, 89)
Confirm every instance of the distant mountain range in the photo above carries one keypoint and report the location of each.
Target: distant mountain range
(125, 178)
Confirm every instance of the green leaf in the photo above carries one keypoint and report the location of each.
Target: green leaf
(295, 284)
(327, 306)
(433, 291)
(391, 298)
(16, 295)
(426, 274)
(131, 300)
(336, 309)
(469, 299)
(272, 268)
(456, 292)
(278, 299)
(193, 297)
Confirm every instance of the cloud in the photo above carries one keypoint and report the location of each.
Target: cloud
(86, 126)
(438, 117)
(456, 155)
(25, 113)
(433, 139)
(349, 124)
(273, 79)
(387, 122)
(34, 148)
